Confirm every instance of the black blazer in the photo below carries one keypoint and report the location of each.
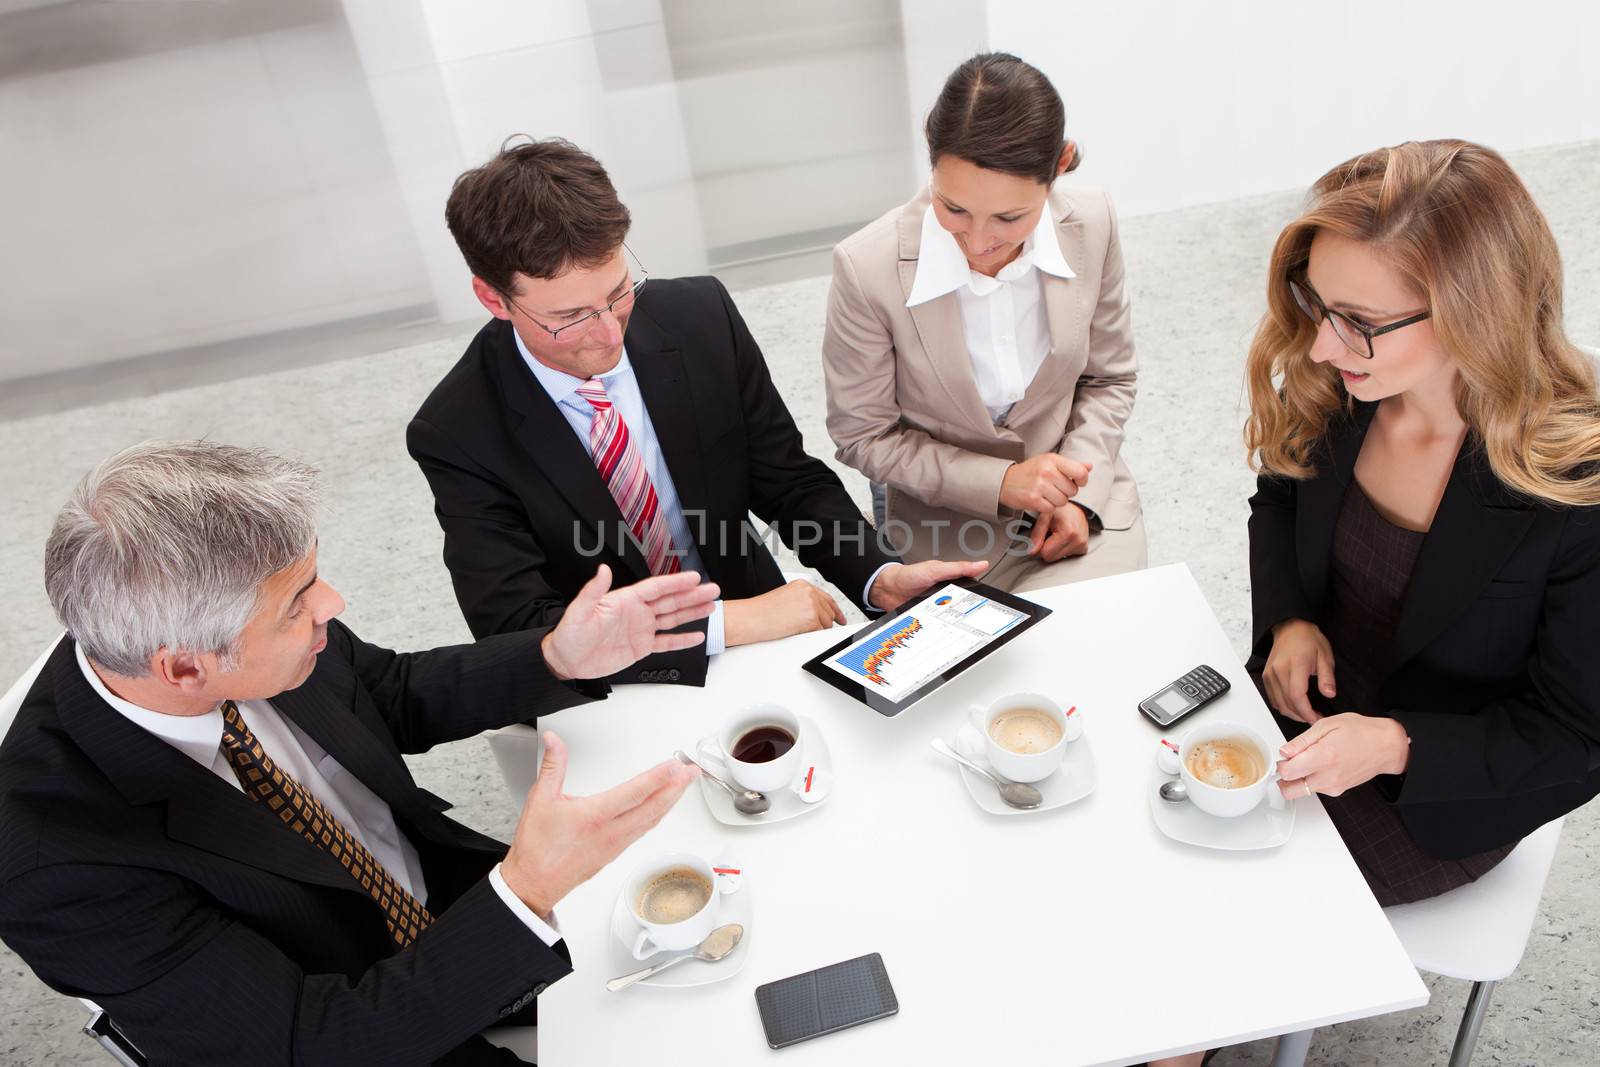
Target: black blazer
(513, 485)
(1493, 669)
(131, 875)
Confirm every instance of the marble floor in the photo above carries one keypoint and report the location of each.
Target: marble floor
(1196, 277)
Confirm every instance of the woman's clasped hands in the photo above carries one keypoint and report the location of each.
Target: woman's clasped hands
(1045, 485)
(1338, 752)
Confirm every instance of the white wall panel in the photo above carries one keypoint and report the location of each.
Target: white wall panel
(1182, 103)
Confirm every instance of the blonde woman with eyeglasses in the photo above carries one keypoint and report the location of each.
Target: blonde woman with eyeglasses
(1424, 539)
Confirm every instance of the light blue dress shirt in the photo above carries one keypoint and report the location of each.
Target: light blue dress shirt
(622, 387)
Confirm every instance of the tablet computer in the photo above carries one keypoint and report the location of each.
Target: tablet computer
(897, 660)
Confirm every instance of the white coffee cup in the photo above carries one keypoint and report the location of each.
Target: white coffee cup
(774, 774)
(671, 937)
(1021, 766)
(1230, 803)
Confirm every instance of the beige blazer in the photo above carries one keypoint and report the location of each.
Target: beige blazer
(903, 404)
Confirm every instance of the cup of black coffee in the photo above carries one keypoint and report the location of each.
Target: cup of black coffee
(762, 746)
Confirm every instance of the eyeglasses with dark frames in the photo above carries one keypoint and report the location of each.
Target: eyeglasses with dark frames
(581, 327)
(1357, 336)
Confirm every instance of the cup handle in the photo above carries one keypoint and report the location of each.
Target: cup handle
(975, 716)
(710, 746)
(639, 950)
(1275, 797)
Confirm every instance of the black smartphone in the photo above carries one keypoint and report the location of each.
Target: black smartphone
(826, 999)
(1190, 693)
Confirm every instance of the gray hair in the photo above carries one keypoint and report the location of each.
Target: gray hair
(167, 544)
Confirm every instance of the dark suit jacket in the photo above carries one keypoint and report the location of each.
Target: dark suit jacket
(131, 875)
(1494, 668)
(513, 486)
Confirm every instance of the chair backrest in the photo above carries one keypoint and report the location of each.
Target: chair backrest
(518, 751)
(1478, 932)
(12, 701)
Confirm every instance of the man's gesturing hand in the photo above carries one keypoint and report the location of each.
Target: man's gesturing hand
(561, 841)
(604, 630)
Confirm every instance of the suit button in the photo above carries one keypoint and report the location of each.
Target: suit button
(540, 988)
(672, 675)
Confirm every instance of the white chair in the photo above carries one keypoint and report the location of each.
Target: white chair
(11, 703)
(1477, 933)
(517, 752)
(114, 1041)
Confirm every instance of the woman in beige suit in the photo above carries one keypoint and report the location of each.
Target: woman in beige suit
(979, 350)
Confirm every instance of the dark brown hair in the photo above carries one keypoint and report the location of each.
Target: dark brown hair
(538, 208)
(999, 113)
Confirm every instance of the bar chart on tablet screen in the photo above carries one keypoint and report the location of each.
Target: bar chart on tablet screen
(920, 644)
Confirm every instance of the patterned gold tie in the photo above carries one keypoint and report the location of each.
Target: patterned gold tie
(300, 811)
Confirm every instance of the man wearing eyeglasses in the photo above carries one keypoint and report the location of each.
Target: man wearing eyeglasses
(596, 419)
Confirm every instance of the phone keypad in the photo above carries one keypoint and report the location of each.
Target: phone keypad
(1201, 684)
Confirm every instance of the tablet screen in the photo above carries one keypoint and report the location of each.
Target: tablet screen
(924, 644)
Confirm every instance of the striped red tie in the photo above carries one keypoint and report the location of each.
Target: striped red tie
(621, 466)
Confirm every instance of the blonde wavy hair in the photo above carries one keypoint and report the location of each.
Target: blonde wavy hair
(1453, 220)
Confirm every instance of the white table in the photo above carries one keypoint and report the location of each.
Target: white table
(1026, 939)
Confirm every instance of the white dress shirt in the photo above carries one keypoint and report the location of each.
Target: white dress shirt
(1007, 331)
(622, 388)
(362, 811)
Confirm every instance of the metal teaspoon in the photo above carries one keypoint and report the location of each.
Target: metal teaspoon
(745, 801)
(1174, 791)
(1016, 794)
(716, 946)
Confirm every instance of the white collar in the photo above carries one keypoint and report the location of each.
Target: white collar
(558, 383)
(942, 266)
(196, 736)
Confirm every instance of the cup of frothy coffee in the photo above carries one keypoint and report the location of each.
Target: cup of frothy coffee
(674, 900)
(1228, 769)
(1024, 735)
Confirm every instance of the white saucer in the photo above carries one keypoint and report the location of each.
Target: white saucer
(786, 803)
(1072, 781)
(736, 907)
(1263, 827)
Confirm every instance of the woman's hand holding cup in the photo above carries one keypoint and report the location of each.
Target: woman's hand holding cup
(1343, 751)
